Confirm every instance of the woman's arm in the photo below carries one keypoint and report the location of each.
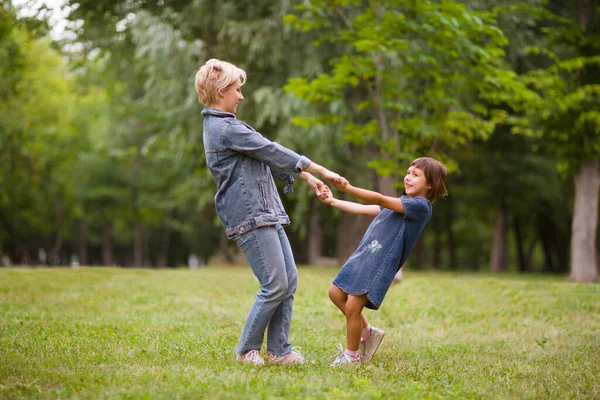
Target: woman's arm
(328, 175)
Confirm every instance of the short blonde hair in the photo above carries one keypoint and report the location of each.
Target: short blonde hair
(214, 76)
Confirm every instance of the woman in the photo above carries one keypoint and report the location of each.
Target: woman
(243, 164)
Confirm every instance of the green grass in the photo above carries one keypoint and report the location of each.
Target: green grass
(120, 333)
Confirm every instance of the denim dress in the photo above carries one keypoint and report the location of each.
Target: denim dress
(383, 250)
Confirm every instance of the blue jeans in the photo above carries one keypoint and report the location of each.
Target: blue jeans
(269, 254)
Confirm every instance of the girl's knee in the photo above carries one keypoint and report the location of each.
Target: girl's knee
(333, 293)
(355, 305)
(337, 295)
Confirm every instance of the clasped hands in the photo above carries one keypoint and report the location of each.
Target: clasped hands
(321, 189)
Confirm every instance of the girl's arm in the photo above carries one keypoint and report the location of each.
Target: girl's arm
(348, 206)
(391, 203)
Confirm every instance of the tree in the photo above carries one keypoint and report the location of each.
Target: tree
(413, 78)
(566, 117)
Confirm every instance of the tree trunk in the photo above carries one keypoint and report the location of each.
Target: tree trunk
(452, 261)
(163, 251)
(58, 240)
(138, 257)
(499, 259)
(351, 229)
(107, 253)
(315, 236)
(437, 248)
(545, 230)
(420, 252)
(585, 221)
(83, 254)
(524, 265)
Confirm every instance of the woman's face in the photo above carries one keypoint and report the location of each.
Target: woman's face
(231, 97)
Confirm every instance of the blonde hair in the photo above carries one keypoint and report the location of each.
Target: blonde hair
(214, 76)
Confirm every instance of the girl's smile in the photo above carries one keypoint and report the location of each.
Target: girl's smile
(415, 183)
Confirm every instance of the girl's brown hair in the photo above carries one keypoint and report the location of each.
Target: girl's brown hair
(435, 174)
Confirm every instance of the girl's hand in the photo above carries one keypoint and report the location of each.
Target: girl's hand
(325, 195)
(341, 183)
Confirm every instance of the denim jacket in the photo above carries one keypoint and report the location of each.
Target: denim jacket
(243, 163)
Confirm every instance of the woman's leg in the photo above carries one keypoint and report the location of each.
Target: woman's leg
(263, 251)
(279, 327)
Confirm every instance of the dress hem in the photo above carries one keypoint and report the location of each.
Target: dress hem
(370, 305)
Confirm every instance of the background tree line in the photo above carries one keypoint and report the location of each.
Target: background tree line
(100, 139)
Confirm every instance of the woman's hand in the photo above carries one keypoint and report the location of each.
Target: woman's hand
(313, 182)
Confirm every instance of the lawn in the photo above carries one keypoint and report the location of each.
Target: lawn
(130, 333)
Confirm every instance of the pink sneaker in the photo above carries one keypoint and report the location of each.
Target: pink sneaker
(369, 347)
(251, 357)
(293, 357)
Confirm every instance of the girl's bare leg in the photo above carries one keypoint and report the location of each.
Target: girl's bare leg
(339, 298)
(354, 320)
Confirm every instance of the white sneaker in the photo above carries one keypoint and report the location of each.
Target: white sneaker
(251, 357)
(343, 359)
(369, 347)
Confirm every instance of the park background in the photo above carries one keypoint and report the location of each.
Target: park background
(102, 165)
(101, 132)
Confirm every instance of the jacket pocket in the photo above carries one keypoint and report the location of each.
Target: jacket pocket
(264, 193)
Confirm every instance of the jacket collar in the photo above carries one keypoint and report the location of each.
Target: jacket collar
(216, 113)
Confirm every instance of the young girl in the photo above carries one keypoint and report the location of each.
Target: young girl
(367, 275)
(243, 163)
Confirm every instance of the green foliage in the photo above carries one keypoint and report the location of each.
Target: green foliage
(417, 77)
(116, 333)
(37, 147)
(564, 113)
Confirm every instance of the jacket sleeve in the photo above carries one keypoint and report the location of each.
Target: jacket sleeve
(241, 138)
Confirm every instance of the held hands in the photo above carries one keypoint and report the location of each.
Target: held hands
(315, 183)
(325, 195)
(341, 183)
(330, 176)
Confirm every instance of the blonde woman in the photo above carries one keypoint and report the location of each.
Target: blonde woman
(243, 164)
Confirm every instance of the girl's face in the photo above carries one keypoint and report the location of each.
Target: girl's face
(416, 183)
(231, 97)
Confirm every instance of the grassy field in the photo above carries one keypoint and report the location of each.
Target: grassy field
(121, 333)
